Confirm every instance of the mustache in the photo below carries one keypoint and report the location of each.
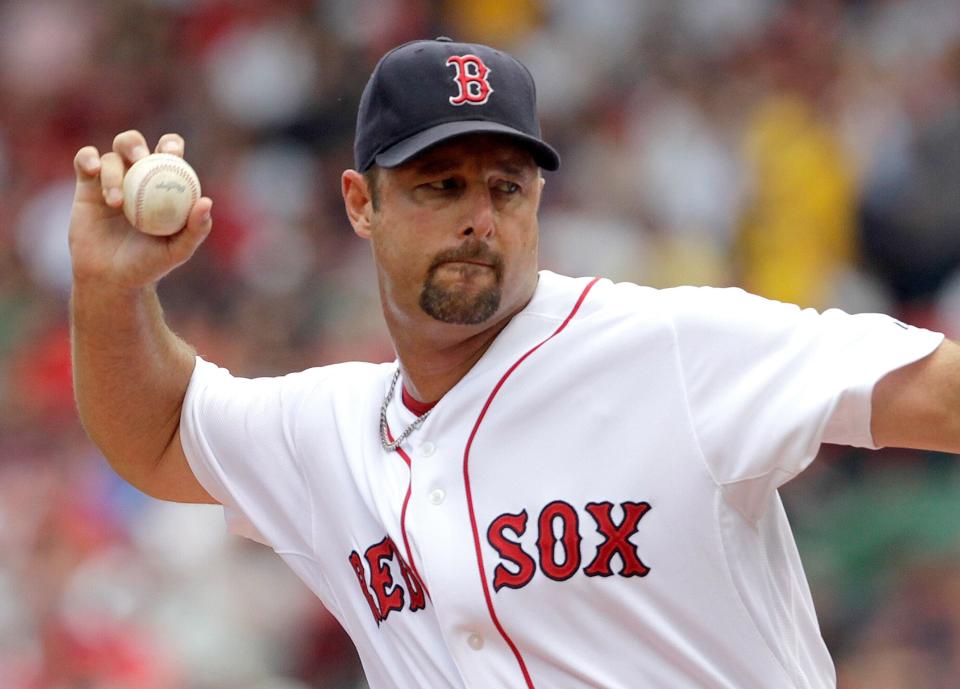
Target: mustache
(474, 250)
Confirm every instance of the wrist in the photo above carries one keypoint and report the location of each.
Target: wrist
(97, 291)
(100, 303)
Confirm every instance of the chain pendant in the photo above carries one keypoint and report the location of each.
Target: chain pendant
(384, 439)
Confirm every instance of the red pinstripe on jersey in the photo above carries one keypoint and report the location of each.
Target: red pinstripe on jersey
(466, 482)
(403, 515)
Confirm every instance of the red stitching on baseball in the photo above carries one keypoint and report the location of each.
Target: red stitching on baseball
(170, 167)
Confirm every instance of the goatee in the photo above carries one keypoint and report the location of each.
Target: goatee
(457, 305)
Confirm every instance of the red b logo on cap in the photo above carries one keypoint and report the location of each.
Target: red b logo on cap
(471, 80)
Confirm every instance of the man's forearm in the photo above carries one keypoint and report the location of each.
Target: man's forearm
(918, 405)
(130, 375)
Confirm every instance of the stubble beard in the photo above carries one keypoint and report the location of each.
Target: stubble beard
(458, 306)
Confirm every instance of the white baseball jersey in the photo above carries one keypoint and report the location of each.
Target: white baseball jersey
(593, 505)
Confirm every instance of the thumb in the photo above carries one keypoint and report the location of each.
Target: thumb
(199, 223)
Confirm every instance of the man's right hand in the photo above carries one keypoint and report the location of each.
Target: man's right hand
(108, 251)
(130, 371)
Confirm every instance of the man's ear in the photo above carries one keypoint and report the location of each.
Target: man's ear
(358, 202)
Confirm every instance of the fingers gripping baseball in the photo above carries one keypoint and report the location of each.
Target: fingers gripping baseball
(199, 223)
(172, 144)
(105, 247)
(86, 166)
(128, 148)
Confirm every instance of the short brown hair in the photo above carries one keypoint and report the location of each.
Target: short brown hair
(372, 178)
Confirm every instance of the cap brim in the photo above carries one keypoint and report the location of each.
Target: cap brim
(401, 152)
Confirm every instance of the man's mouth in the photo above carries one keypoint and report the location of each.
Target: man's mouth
(470, 262)
(470, 254)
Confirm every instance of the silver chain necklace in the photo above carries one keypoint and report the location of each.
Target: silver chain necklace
(384, 439)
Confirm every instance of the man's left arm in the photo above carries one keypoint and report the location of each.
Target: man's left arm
(918, 405)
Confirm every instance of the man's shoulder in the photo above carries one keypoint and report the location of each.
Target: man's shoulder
(618, 300)
(354, 378)
(556, 293)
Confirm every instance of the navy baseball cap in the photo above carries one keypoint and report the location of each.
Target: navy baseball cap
(425, 92)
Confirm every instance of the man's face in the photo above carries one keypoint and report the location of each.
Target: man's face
(455, 235)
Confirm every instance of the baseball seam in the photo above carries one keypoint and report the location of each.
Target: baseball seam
(142, 188)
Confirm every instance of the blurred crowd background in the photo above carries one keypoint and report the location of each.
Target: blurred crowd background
(808, 151)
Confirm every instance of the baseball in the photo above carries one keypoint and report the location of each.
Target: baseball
(158, 193)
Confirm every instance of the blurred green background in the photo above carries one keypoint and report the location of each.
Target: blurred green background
(808, 151)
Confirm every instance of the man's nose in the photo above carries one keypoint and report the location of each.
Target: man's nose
(481, 216)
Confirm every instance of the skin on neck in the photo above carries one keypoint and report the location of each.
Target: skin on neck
(461, 216)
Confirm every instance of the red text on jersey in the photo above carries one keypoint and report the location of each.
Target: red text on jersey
(381, 591)
(504, 532)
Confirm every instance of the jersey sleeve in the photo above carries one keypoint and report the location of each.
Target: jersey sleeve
(239, 438)
(768, 382)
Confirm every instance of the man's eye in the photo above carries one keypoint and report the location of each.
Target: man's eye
(443, 184)
(507, 187)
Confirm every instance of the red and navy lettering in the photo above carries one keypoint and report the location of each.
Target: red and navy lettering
(559, 543)
(418, 600)
(510, 551)
(617, 539)
(570, 540)
(472, 82)
(357, 565)
(382, 593)
(389, 595)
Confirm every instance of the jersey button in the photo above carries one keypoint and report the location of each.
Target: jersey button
(436, 496)
(475, 641)
(427, 449)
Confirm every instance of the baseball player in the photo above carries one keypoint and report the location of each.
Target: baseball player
(561, 482)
